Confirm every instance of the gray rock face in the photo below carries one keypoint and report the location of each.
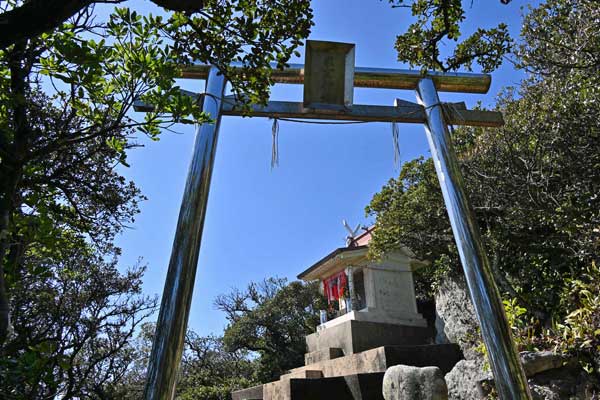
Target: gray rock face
(403, 382)
(551, 376)
(535, 362)
(568, 382)
(456, 321)
(463, 380)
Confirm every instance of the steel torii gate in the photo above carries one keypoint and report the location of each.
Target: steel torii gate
(329, 77)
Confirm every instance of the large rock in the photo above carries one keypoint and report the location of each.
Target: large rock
(550, 376)
(464, 380)
(535, 362)
(403, 382)
(456, 321)
(567, 382)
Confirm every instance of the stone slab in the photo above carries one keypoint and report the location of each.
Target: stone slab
(303, 374)
(328, 353)
(365, 386)
(443, 356)
(353, 387)
(354, 377)
(354, 336)
(251, 393)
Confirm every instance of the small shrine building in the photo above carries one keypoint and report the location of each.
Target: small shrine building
(375, 299)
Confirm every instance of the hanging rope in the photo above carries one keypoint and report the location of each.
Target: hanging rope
(275, 144)
(305, 121)
(448, 110)
(275, 133)
(396, 144)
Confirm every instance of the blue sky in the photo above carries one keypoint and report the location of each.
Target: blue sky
(264, 222)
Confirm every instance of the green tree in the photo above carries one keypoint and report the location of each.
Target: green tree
(271, 319)
(533, 183)
(74, 317)
(59, 147)
(208, 370)
(211, 372)
(437, 23)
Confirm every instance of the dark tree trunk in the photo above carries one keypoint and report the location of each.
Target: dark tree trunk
(12, 170)
(35, 17)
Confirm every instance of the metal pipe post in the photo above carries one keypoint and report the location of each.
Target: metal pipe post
(179, 285)
(509, 376)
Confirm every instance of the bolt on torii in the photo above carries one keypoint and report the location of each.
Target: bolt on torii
(329, 77)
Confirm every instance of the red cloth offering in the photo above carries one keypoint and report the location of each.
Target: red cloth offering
(335, 286)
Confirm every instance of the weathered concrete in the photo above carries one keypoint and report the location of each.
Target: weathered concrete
(444, 356)
(365, 386)
(404, 382)
(278, 390)
(357, 376)
(251, 393)
(355, 336)
(352, 387)
(303, 374)
(328, 353)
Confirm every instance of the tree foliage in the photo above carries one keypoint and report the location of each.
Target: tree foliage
(67, 92)
(534, 183)
(68, 83)
(74, 318)
(209, 371)
(438, 22)
(264, 338)
(271, 319)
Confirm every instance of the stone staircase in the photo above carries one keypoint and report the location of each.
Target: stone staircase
(331, 375)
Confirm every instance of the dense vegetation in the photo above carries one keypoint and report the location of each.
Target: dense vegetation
(534, 185)
(67, 85)
(271, 319)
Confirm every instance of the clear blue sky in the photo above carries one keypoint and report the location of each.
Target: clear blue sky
(264, 222)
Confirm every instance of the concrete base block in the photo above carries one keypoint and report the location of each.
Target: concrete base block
(354, 336)
(323, 355)
(353, 387)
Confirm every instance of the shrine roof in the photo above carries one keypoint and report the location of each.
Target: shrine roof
(334, 262)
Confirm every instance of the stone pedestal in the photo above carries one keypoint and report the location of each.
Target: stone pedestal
(354, 336)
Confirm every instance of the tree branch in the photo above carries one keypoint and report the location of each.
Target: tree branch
(35, 17)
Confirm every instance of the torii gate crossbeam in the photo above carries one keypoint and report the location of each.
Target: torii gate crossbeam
(510, 380)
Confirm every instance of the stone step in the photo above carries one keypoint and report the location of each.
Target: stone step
(443, 356)
(303, 374)
(351, 387)
(251, 393)
(355, 377)
(328, 353)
